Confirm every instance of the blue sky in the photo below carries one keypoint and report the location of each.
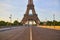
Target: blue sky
(44, 8)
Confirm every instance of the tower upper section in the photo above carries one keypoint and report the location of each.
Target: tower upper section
(30, 1)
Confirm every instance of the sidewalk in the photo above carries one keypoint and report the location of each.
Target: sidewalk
(51, 27)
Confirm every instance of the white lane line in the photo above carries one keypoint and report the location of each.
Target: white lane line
(30, 33)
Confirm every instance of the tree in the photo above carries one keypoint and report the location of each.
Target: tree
(9, 24)
(58, 23)
(2, 23)
(55, 22)
(16, 22)
(49, 23)
(41, 23)
(20, 23)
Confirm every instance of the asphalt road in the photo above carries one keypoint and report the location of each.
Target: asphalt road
(45, 34)
(19, 33)
(30, 33)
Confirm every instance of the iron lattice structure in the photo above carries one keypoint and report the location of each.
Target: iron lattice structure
(30, 17)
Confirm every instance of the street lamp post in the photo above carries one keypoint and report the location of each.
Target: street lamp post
(54, 20)
(10, 19)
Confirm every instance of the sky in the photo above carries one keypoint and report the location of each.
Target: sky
(45, 9)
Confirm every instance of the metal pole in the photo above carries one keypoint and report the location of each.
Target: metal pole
(28, 23)
(54, 19)
(10, 19)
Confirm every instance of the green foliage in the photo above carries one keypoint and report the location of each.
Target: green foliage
(2, 23)
(49, 23)
(41, 23)
(8, 24)
(20, 24)
(58, 23)
(16, 23)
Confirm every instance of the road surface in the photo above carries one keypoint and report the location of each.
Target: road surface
(19, 33)
(45, 34)
(29, 33)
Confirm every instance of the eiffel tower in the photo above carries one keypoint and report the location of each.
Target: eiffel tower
(30, 17)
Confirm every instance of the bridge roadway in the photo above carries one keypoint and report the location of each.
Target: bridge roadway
(29, 33)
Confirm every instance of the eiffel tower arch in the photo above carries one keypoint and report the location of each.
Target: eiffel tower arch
(30, 17)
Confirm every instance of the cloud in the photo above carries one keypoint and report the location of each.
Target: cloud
(44, 8)
(5, 10)
(47, 13)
